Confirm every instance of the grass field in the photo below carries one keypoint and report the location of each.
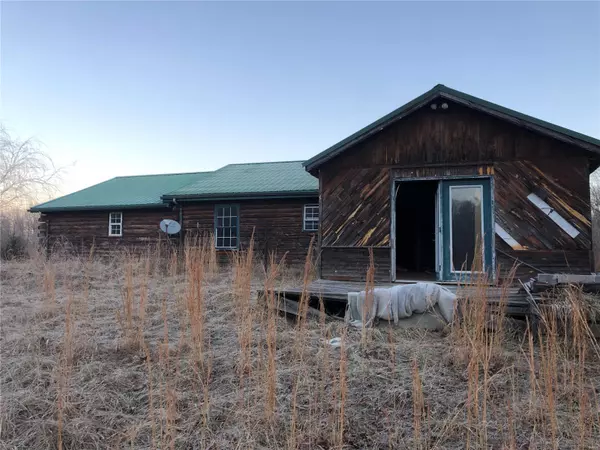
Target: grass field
(134, 352)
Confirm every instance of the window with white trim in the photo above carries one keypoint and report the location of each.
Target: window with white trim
(226, 226)
(311, 218)
(115, 224)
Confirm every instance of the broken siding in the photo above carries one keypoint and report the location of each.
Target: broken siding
(356, 187)
(356, 208)
(563, 183)
(525, 222)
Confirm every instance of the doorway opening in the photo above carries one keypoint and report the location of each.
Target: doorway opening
(416, 230)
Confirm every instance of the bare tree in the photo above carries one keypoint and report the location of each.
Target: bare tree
(26, 175)
(26, 172)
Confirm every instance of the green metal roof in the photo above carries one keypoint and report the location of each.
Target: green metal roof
(123, 192)
(555, 131)
(252, 180)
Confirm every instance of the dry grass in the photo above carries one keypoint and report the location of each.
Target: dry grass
(134, 352)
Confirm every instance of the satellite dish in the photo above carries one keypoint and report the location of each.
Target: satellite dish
(170, 226)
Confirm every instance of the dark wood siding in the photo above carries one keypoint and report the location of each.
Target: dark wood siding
(356, 187)
(78, 230)
(563, 183)
(530, 263)
(351, 264)
(356, 208)
(453, 136)
(277, 226)
(465, 170)
(564, 186)
(276, 223)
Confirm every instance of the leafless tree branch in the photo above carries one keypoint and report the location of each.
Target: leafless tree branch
(26, 172)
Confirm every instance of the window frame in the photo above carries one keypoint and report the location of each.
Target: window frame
(110, 224)
(215, 225)
(312, 219)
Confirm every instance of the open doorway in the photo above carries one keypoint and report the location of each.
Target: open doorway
(415, 230)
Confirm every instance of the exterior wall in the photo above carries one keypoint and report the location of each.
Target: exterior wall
(355, 208)
(351, 264)
(277, 226)
(276, 223)
(356, 189)
(78, 230)
(564, 184)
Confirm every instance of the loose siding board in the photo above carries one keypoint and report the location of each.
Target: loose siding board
(560, 184)
(355, 208)
(458, 142)
(351, 264)
(276, 223)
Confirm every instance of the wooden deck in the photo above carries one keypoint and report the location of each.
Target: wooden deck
(337, 292)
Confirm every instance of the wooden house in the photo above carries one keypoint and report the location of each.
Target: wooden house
(277, 201)
(448, 183)
(442, 186)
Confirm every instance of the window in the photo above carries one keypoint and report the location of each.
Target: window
(115, 224)
(226, 226)
(311, 218)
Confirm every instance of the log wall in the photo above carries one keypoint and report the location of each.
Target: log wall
(77, 231)
(277, 226)
(276, 223)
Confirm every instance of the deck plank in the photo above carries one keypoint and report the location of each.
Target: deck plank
(338, 291)
(515, 302)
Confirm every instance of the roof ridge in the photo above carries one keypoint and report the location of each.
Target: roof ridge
(262, 162)
(586, 142)
(208, 171)
(525, 116)
(163, 174)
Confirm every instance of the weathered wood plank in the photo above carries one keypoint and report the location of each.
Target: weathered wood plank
(458, 141)
(356, 209)
(352, 263)
(525, 222)
(453, 136)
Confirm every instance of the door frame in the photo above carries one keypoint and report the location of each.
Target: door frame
(438, 244)
(487, 227)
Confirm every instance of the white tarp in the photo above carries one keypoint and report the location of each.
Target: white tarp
(400, 302)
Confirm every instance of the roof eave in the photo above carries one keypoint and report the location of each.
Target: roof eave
(245, 196)
(522, 122)
(36, 209)
(520, 119)
(371, 129)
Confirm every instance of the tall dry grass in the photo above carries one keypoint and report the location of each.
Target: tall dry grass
(142, 351)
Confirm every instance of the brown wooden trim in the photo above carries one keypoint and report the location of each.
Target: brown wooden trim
(320, 233)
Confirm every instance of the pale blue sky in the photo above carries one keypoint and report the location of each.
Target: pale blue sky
(134, 87)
